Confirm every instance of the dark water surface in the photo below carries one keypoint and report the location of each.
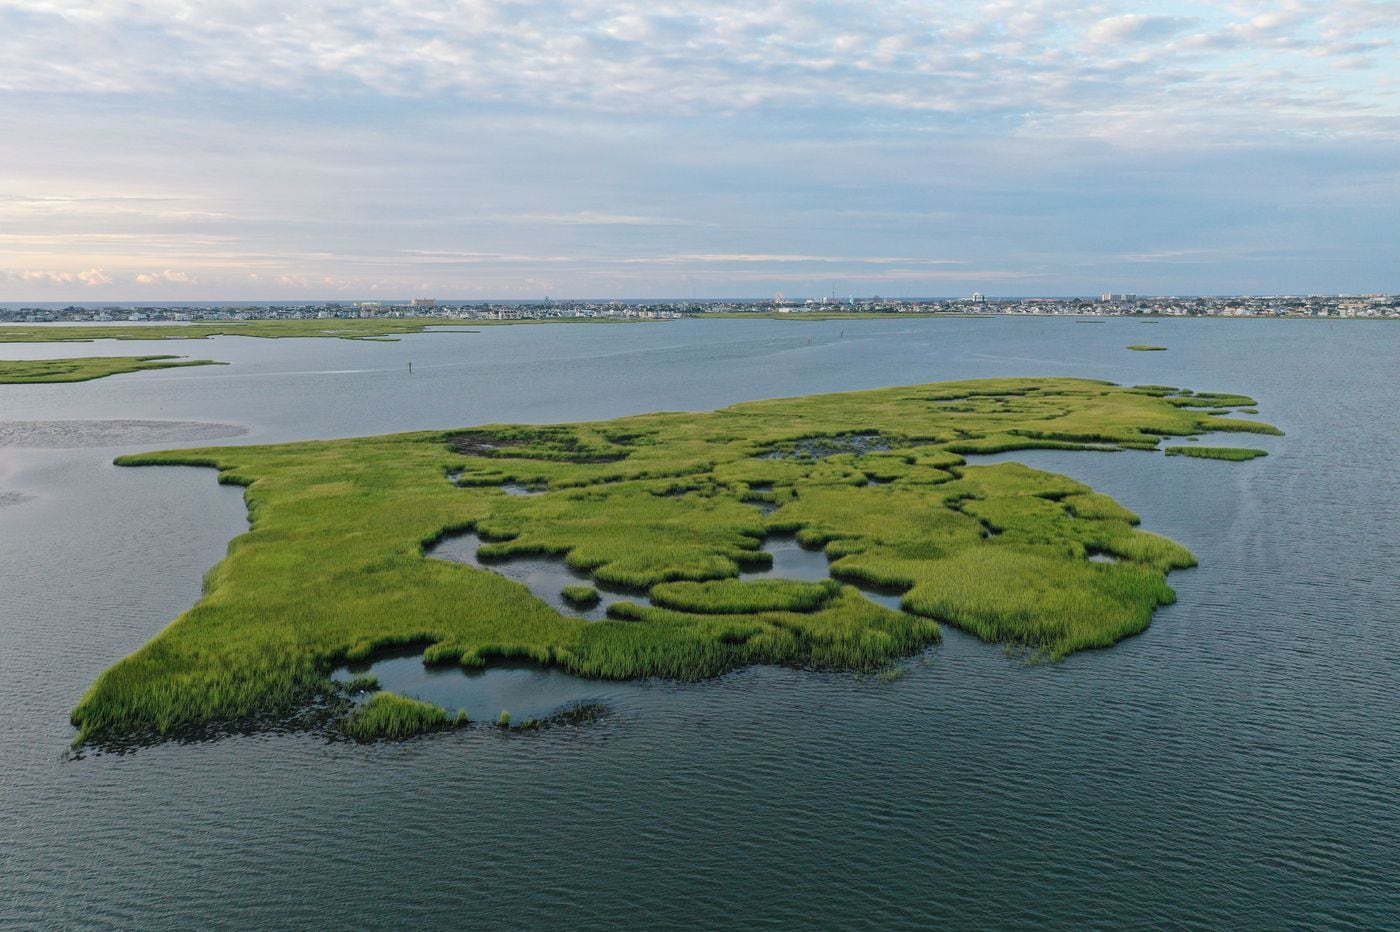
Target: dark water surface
(1237, 765)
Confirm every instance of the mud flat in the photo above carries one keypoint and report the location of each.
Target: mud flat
(113, 433)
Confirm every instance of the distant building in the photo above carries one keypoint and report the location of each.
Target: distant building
(424, 302)
(979, 298)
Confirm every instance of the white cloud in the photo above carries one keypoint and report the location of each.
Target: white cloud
(1135, 27)
(167, 277)
(49, 277)
(542, 146)
(1034, 62)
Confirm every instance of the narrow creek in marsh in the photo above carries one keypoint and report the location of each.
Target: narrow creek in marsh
(547, 575)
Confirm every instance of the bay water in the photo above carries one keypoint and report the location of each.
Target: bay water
(1236, 765)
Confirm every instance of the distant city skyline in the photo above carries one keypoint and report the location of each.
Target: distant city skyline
(193, 151)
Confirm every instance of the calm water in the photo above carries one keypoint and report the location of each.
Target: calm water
(1236, 765)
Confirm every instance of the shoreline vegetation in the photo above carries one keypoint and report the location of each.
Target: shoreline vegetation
(333, 570)
(35, 371)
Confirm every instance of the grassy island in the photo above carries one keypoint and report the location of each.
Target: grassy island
(1147, 348)
(387, 715)
(1233, 454)
(673, 506)
(580, 595)
(23, 371)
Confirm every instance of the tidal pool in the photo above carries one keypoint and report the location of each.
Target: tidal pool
(547, 575)
(532, 692)
(526, 691)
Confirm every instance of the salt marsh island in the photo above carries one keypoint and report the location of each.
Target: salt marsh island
(348, 552)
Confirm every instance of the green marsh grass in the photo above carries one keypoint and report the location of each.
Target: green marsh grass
(733, 597)
(1146, 348)
(86, 369)
(1234, 454)
(582, 596)
(390, 716)
(365, 683)
(333, 568)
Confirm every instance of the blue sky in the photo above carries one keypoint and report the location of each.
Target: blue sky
(187, 150)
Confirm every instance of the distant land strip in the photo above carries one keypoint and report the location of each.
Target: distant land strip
(377, 329)
(27, 371)
(345, 329)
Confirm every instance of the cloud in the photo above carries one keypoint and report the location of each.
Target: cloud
(771, 259)
(1135, 27)
(1027, 63)
(508, 148)
(29, 207)
(49, 277)
(167, 277)
(587, 218)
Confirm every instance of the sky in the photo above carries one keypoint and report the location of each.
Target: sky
(336, 150)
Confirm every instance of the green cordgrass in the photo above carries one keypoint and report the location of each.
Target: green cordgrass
(1235, 454)
(1210, 400)
(19, 371)
(389, 716)
(333, 568)
(1146, 348)
(733, 597)
(582, 596)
